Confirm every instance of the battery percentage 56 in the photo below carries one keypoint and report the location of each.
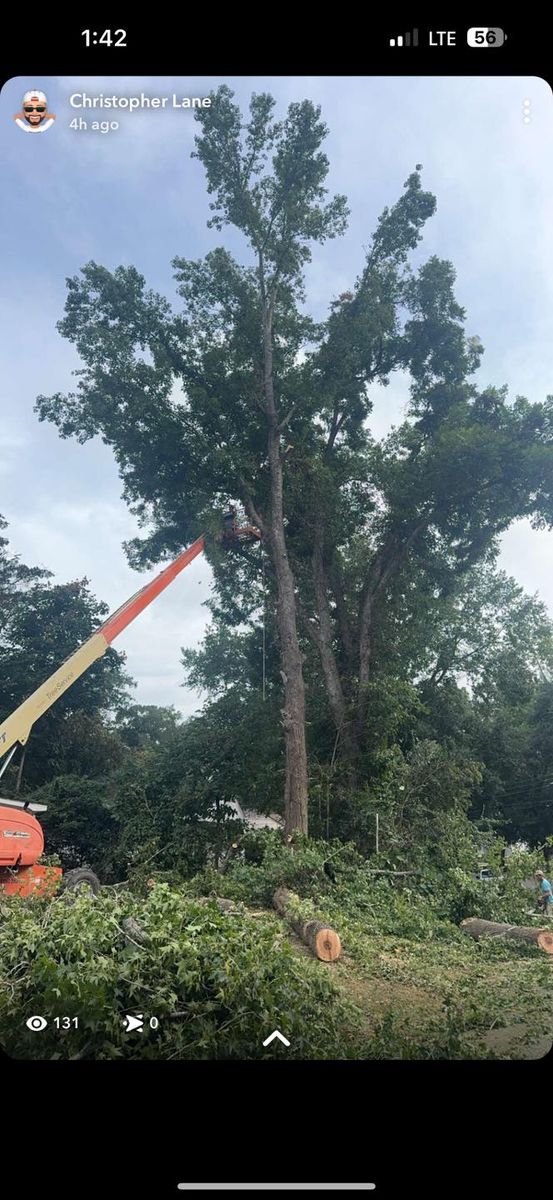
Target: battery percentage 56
(482, 39)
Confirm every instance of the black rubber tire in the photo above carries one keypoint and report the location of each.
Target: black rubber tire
(71, 881)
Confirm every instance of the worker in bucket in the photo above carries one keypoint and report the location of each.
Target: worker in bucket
(545, 900)
(229, 520)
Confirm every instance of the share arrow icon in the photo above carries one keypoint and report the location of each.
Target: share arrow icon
(131, 1023)
(276, 1034)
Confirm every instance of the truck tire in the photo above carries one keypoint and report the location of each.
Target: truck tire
(81, 877)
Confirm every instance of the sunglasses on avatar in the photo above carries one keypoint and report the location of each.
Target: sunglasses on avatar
(39, 108)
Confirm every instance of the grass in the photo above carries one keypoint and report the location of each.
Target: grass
(438, 996)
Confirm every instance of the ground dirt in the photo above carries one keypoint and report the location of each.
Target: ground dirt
(416, 1006)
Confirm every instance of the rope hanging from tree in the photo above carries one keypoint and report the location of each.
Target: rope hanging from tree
(264, 653)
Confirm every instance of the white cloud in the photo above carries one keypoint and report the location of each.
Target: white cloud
(527, 554)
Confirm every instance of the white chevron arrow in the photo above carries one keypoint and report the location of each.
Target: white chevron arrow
(276, 1034)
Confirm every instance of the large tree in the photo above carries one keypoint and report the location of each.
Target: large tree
(240, 395)
(234, 350)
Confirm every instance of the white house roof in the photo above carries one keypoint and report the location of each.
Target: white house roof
(252, 818)
(261, 820)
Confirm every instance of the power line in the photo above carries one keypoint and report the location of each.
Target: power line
(531, 802)
(520, 787)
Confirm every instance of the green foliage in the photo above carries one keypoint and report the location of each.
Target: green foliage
(281, 208)
(517, 748)
(268, 863)
(410, 984)
(403, 932)
(144, 726)
(214, 981)
(79, 827)
(408, 791)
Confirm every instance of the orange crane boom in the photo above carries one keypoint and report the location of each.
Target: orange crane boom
(17, 727)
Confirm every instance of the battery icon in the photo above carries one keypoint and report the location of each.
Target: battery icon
(485, 38)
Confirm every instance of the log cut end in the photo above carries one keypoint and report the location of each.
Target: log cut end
(545, 941)
(326, 944)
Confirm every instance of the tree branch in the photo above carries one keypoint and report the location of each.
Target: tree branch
(311, 628)
(282, 424)
(261, 276)
(381, 569)
(254, 515)
(338, 420)
(326, 647)
(337, 587)
(389, 558)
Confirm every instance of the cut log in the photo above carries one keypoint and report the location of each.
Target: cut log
(224, 905)
(321, 939)
(522, 933)
(134, 933)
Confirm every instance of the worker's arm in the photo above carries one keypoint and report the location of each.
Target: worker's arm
(17, 727)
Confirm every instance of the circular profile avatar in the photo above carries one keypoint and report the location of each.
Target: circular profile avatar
(34, 116)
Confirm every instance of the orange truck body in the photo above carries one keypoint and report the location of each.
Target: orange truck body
(30, 881)
(21, 844)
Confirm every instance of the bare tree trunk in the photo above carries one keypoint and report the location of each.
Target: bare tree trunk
(293, 713)
(386, 563)
(365, 622)
(325, 638)
(348, 744)
(337, 586)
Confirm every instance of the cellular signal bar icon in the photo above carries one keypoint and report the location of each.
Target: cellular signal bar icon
(406, 39)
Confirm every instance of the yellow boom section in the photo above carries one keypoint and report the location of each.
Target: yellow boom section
(17, 727)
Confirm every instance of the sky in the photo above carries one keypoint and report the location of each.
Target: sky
(135, 196)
